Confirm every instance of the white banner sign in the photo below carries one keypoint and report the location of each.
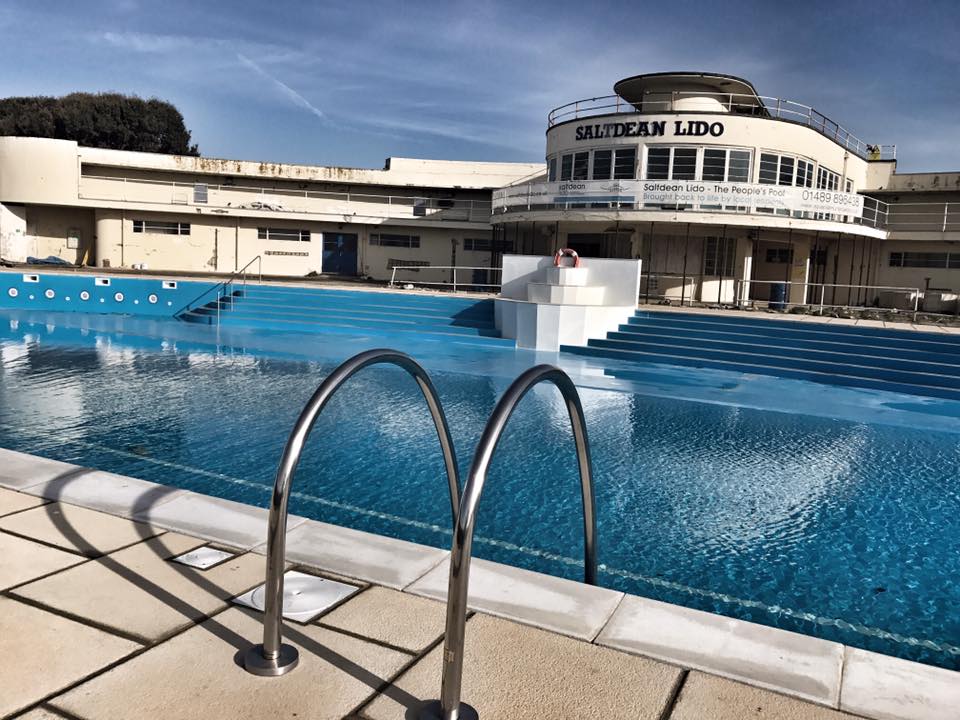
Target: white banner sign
(670, 193)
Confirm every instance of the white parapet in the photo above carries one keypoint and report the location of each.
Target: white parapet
(543, 306)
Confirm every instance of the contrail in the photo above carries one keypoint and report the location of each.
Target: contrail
(294, 96)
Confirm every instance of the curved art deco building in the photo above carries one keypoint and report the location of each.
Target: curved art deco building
(724, 194)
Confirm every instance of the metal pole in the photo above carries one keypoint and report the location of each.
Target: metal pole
(449, 706)
(393, 275)
(273, 658)
(823, 289)
(683, 286)
(646, 296)
(722, 249)
(454, 279)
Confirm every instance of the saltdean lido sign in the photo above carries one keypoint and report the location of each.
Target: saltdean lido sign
(668, 194)
(649, 128)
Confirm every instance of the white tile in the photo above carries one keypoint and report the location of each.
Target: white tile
(304, 596)
(19, 470)
(563, 606)
(356, 554)
(115, 494)
(888, 688)
(212, 518)
(787, 662)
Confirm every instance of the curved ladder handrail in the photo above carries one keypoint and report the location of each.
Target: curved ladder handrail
(273, 657)
(449, 707)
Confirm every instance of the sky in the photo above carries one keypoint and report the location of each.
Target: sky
(354, 82)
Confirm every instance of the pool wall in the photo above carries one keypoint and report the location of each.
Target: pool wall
(101, 294)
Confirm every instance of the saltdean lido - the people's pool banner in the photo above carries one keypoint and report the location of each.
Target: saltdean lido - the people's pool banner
(670, 193)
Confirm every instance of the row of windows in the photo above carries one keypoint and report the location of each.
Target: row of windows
(692, 163)
(159, 227)
(925, 260)
(388, 240)
(265, 233)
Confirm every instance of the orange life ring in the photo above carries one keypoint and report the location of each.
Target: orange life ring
(566, 252)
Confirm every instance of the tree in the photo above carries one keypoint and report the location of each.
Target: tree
(102, 120)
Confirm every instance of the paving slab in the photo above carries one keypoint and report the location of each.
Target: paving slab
(140, 592)
(19, 470)
(395, 618)
(563, 606)
(12, 501)
(888, 688)
(75, 528)
(513, 671)
(787, 662)
(361, 555)
(23, 560)
(707, 696)
(40, 653)
(196, 675)
(232, 523)
(104, 491)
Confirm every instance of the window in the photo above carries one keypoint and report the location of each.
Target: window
(158, 227)
(827, 180)
(684, 166)
(566, 167)
(200, 193)
(619, 164)
(394, 262)
(486, 245)
(785, 170)
(580, 162)
(780, 256)
(625, 163)
(658, 163)
(925, 260)
(387, 240)
(283, 234)
(722, 165)
(602, 164)
(720, 256)
(552, 174)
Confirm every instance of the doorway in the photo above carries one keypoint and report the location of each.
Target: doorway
(340, 253)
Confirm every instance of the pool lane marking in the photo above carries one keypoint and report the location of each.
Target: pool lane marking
(779, 610)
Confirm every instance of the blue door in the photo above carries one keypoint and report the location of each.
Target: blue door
(340, 253)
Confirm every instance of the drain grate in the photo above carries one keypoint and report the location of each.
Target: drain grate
(304, 596)
(203, 558)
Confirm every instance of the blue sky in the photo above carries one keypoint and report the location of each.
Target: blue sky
(351, 83)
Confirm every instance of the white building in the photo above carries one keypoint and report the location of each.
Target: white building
(725, 195)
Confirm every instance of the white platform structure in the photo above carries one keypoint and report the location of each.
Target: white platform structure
(543, 307)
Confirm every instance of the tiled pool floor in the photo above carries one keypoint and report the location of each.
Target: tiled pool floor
(96, 622)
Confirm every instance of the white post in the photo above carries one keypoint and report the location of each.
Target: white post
(823, 290)
(393, 275)
(454, 279)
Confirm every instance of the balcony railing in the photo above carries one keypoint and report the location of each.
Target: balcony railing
(694, 197)
(302, 202)
(733, 103)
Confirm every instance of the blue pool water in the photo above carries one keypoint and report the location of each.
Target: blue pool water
(823, 510)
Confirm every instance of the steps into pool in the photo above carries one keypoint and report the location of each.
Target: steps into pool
(454, 319)
(918, 363)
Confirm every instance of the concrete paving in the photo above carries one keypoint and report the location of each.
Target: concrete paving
(132, 634)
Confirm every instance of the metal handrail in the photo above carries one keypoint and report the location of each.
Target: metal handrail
(272, 657)
(449, 706)
(222, 290)
(453, 268)
(734, 103)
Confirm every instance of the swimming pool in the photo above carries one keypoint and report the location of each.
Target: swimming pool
(824, 510)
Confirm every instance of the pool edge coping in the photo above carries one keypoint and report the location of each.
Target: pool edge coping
(850, 679)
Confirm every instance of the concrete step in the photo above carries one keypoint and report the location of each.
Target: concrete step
(910, 373)
(829, 378)
(849, 355)
(827, 343)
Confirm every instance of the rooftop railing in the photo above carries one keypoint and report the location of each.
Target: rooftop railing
(308, 202)
(733, 103)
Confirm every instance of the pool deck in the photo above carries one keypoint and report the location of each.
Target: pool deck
(97, 622)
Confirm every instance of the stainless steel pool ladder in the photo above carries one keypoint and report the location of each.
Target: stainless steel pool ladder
(449, 706)
(272, 657)
(223, 289)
